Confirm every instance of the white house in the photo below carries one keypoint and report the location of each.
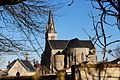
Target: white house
(21, 68)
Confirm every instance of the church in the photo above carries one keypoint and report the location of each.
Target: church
(60, 54)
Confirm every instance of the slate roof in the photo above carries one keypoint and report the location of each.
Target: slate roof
(58, 44)
(26, 64)
(74, 43)
(115, 61)
(11, 64)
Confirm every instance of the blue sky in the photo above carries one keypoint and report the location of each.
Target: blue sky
(69, 21)
(69, 24)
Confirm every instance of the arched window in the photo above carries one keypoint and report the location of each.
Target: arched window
(51, 37)
(82, 57)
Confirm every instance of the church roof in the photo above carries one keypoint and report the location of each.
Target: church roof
(74, 43)
(58, 44)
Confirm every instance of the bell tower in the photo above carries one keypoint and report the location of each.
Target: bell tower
(51, 33)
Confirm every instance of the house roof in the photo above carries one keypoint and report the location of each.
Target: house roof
(74, 43)
(3, 73)
(28, 65)
(58, 44)
(25, 63)
(11, 64)
(115, 61)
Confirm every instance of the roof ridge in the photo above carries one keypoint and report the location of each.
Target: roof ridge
(58, 40)
(50, 44)
(66, 44)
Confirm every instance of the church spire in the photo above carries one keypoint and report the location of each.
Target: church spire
(51, 25)
(51, 32)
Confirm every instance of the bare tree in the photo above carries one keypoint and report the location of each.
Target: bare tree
(23, 24)
(10, 2)
(109, 9)
(117, 52)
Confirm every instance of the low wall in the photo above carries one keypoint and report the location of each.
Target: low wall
(96, 72)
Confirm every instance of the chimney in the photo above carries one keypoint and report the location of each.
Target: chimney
(8, 62)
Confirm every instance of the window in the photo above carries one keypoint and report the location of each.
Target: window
(52, 37)
(82, 57)
(60, 63)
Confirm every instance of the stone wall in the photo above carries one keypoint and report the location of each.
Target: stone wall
(81, 55)
(59, 62)
(96, 72)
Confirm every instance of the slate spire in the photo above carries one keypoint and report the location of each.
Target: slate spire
(51, 25)
(51, 33)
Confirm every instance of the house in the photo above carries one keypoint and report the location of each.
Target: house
(116, 61)
(20, 68)
(60, 54)
(3, 72)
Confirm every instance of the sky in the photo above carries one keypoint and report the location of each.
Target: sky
(72, 20)
(69, 21)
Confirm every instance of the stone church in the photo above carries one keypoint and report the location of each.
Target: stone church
(60, 54)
